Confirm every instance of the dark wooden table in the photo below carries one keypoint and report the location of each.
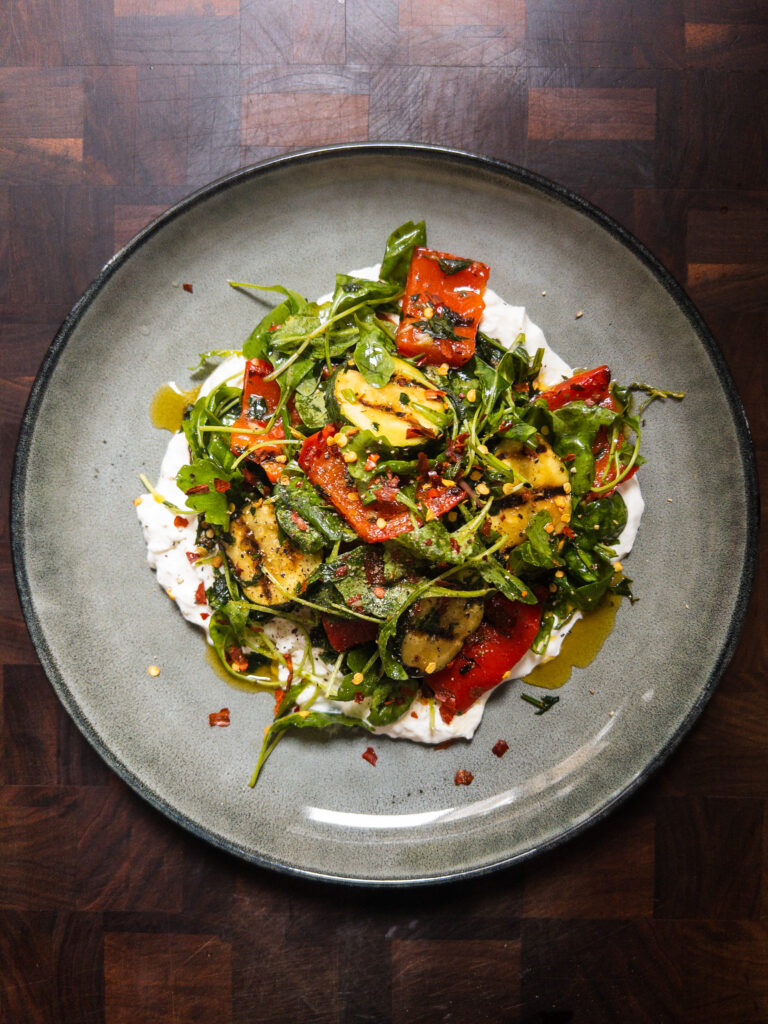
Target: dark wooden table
(110, 110)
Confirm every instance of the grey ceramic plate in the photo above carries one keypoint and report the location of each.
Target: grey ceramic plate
(98, 619)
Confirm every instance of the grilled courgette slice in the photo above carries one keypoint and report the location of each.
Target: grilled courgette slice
(435, 630)
(547, 489)
(256, 544)
(406, 411)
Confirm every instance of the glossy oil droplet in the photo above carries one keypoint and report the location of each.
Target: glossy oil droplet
(580, 647)
(268, 671)
(168, 405)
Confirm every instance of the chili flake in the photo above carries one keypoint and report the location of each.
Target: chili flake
(220, 718)
(463, 777)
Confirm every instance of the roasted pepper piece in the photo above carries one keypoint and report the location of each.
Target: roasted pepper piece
(442, 306)
(379, 521)
(489, 653)
(345, 633)
(261, 396)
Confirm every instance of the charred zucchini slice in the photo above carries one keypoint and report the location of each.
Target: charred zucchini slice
(435, 631)
(256, 543)
(406, 411)
(547, 490)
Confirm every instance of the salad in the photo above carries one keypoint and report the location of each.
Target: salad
(393, 499)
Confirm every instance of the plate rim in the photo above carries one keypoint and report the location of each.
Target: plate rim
(454, 157)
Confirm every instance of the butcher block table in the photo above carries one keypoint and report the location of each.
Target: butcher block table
(112, 110)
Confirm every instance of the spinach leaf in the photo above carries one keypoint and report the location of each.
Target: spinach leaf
(599, 521)
(372, 355)
(300, 496)
(220, 408)
(433, 543)
(450, 265)
(351, 291)
(399, 251)
(539, 550)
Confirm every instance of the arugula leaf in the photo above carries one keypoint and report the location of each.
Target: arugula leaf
(212, 500)
(230, 627)
(312, 408)
(257, 344)
(510, 586)
(399, 251)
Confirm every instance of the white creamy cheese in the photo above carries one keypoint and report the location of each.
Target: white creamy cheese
(168, 544)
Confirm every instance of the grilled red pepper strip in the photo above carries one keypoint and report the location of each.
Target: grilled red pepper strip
(487, 656)
(326, 468)
(441, 309)
(591, 384)
(345, 633)
(254, 384)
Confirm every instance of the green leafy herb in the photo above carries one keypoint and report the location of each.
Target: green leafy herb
(543, 704)
(450, 266)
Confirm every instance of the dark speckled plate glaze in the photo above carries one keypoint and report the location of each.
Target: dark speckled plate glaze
(98, 619)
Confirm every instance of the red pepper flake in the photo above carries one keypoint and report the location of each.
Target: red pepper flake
(221, 485)
(446, 714)
(237, 659)
(220, 718)
(205, 615)
(370, 462)
(568, 532)
(463, 777)
(289, 664)
(273, 327)
(188, 288)
(500, 748)
(444, 745)
(198, 489)
(200, 594)
(296, 518)
(192, 557)
(341, 572)
(414, 714)
(369, 755)
(180, 521)
(379, 592)
(359, 697)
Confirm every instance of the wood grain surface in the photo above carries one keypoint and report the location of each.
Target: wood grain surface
(110, 110)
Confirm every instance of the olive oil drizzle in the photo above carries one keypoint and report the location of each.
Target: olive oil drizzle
(580, 647)
(168, 406)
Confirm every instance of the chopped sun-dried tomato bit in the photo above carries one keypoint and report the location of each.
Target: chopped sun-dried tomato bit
(463, 777)
(220, 718)
(500, 748)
